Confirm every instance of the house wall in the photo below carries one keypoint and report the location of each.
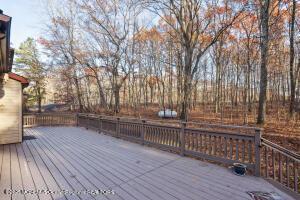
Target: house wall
(10, 111)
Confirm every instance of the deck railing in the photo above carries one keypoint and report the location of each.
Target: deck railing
(280, 165)
(219, 143)
(49, 119)
(220, 146)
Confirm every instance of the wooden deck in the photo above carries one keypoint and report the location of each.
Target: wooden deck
(75, 159)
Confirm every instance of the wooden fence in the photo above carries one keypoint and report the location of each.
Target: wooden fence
(219, 143)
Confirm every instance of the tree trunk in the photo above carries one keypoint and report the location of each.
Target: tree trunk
(78, 94)
(264, 46)
(292, 55)
(187, 85)
(39, 96)
(117, 99)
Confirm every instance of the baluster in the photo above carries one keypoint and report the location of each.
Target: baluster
(267, 162)
(230, 148)
(192, 141)
(273, 163)
(280, 168)
(200, 141)
(158, 134)
(257, 141)
(225, 147)
(215, 145)
(182, 138)
(173, 136)
(163, 132)
(166, 138)
(100, 124)
(143, 131)
(250, 151)
(243, 150)
(167, 135)
(197, 142)
(152, 134)
(295, 177)
(220, 146)
(169, 139)
(287, 172)
(236, 149)
(205, 144)
(210, 146)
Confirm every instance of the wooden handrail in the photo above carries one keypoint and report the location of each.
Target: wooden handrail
(249, 128)
(281, 149)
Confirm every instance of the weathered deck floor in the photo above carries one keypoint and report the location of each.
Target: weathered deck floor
(69, 158)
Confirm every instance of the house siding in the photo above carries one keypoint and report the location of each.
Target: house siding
(10, 112)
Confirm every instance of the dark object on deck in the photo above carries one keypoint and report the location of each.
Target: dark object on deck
(259, 195)
(29, 137)
(239, 169)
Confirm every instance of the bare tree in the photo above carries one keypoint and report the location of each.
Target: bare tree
(191, 27)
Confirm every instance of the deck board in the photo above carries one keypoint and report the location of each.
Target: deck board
(25, 172)
(5, 179)
(16, 178)
(70, 158)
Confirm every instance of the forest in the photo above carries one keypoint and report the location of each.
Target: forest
(216, 61)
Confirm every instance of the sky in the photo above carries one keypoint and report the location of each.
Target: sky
(27, 18)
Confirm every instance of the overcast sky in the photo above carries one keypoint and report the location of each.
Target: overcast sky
(27, 18)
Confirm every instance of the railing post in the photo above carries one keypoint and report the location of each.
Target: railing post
(100, 124)
(182, 139)
(77, 119)
(88, 122)
(257, 143)
(143, 132)
(37, 120)
(118, 127)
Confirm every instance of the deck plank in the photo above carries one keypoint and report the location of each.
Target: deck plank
(35, 173)
(59, 179)
(87, 163)
(70, 158)
(74, 180)
(28, 183)
(46, 173)
(76, 168)
(5, 179)
(16, 178)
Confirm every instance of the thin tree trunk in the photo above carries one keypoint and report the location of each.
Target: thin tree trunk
(292, 55)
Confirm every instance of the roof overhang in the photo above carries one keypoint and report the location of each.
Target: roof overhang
(19, 78)
(6, 54)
